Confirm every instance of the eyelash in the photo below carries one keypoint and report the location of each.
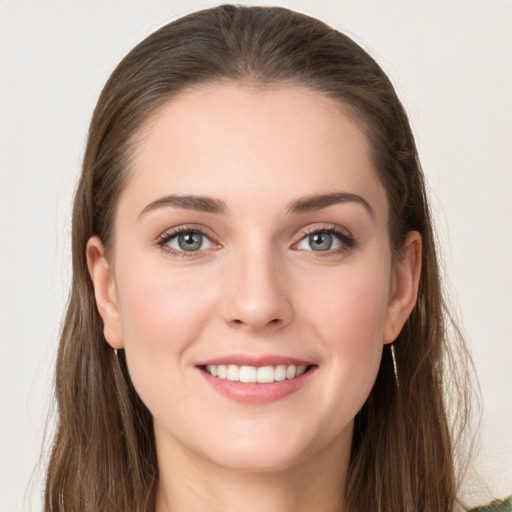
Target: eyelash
(347, 241)
(166, 237)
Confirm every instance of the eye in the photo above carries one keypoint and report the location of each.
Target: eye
(330, 239)
(321, 241)
(182, 241)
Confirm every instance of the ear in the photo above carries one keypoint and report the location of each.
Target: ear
(404, 286)
(105, 293)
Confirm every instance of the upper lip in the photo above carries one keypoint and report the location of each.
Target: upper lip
(255, 360)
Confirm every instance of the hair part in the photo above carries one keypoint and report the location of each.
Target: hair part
(402, 457)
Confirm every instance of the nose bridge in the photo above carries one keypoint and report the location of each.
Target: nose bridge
(257, 297)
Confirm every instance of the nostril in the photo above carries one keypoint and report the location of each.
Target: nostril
(274, 321)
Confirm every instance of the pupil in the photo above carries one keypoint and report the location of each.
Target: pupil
(190, 241)
(320, 241)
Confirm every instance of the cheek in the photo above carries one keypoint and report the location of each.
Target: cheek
(162, 314)
(348, 304)
(160, 307)
(348, 317)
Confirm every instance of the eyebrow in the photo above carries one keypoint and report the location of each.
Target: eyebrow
(187, 202)
(317, 202)
(213, 205)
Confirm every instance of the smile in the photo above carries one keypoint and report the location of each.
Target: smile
(254, 374)
(259, 383)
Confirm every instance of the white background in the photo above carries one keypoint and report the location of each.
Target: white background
(451, 62)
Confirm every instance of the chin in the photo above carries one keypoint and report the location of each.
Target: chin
(278, 450)
(257, 460)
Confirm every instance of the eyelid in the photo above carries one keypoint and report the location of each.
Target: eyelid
(162, 240)
(168, 233)
(344, 236)
(315, 228)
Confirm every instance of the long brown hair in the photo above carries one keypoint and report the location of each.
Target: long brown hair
(402, 459)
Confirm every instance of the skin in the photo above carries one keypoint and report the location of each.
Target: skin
(255, 287)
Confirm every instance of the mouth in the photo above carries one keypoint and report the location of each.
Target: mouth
(257, 380)
(256, 374)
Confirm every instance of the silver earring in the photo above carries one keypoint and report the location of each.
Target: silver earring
(395, 368)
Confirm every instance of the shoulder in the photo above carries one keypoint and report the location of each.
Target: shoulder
(496, 506)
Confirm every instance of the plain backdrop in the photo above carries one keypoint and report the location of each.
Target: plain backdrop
(451, 62)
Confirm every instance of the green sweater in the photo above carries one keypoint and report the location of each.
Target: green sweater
(496, 506)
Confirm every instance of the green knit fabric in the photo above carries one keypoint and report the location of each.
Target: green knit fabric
(496, 506)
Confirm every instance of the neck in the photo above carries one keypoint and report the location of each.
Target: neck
(190, 484)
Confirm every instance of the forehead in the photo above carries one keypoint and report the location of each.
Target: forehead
(246, 145)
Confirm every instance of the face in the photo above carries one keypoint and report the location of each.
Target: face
(251, 244)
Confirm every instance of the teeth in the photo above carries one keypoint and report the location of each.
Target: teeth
(265, 374)
(233, 372)
(248, 374)
(253, 374)
(280, 372)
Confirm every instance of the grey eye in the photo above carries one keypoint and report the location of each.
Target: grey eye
(189, 241)
(320, 241)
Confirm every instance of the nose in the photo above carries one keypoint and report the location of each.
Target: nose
(257, 297)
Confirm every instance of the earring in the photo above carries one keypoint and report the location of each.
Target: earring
(395, 369)
(115, 352)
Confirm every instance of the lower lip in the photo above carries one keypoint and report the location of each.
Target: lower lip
(253, 393)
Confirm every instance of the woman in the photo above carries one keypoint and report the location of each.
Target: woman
(251, 241)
